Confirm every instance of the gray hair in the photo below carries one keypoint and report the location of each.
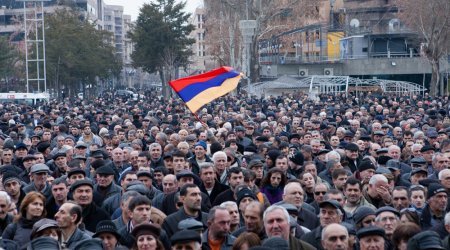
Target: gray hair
(446, 170)
(447, 219)
(205, 165)
(273, 208)
(217, 154)
(228, 204)
(127, 195)
(376, 178)
(5, 196)
(331, 154)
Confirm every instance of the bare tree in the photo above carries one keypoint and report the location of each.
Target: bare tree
(431, 21)
(272, 17)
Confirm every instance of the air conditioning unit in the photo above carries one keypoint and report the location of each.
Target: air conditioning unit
(303, 72)
(328, 71)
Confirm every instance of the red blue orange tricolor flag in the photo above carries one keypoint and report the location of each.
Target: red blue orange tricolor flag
(199, 90)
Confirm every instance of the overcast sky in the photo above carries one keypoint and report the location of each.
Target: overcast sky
(132, 6)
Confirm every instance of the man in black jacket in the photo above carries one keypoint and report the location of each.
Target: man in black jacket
(140, 212)
(191, 197)
(210, 185)
(82, 192)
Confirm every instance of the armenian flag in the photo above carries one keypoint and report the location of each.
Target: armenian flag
(199, 90)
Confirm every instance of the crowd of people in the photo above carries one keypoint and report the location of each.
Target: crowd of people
(336, 172)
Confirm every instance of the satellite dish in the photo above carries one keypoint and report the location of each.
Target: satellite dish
(354, 23)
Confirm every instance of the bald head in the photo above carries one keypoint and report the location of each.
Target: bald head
(334, 236)
(170, 183)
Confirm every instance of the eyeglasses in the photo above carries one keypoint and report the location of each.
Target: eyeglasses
(320, 193)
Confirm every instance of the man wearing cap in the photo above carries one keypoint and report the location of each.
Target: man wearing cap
(276, 224)
(427, 152)
(240, 135)
(21, 150)
(38, 176)
(81, 148)
(434, 211)
(68, 217)
(107, 232)
(111, 203)
(217, 235)
(371, 238)
(147, 179)
(13, 187)
(352, 156)
(210, 185)
(199, 156)
(186, 239)
(387, 218)
(83, 194)
(244, 197)
(330, 212)
(28, 162)
(105, 182)
(60, 161)
(190, 196)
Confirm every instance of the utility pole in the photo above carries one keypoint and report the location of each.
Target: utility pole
(34, 22)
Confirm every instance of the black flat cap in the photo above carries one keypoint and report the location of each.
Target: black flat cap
(418, 160)
(73, 171)
(59, 154)
(146, 229)
(106, 226)
(80, 183)
(370, 231)
(44, 242)
(91, 244)
(425, 240)
(352, 147)
(418, 170)
(190, 224)
(185, 236)
(427, 148)
(387, 209)
(105, 170)
(144, 173)
(361, 213)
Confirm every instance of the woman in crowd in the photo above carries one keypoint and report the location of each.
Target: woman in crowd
(31, 211)
(147, 237)
(308, 185)
(273, 184)
(246, 240)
